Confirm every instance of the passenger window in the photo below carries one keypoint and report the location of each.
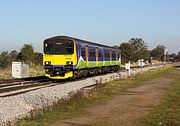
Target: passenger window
(83, 52)
(99, 53)
(92, 53)
(106, 54)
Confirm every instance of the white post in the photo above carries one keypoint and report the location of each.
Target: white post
(165, 52)
(128, 67)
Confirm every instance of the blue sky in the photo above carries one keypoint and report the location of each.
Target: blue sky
(109, 22)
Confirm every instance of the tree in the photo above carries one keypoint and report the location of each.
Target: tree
(117, 47)
(38, 58)
(143, 54)
(138, 44)
(140, 49)
(27, 53)
(177, 58)
(127, 52)
(158, 52)
(4, 59)
(172, 57)
(13, 56)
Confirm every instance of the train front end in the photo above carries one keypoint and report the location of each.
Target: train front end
(59, 57)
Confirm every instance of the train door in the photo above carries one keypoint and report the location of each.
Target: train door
(86, 55)
(117, 56)
(97, 56)
(103, 56)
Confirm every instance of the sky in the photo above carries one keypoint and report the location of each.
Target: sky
(108, 22)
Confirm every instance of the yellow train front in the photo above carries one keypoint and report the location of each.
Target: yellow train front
(59, 57)
(67, 57)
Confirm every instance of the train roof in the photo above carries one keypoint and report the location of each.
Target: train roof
(80, 40)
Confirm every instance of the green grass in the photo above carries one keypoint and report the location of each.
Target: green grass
(78, 104)
(168, 113)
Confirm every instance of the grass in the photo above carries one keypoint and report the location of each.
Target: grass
(5, 73)
(168, 113)
(78, 103)
(33, 71)
(36, 71)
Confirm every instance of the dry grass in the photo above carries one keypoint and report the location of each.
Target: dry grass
(36, 71)
(5, 73)
(33, 71)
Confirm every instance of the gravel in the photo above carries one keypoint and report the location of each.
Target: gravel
(25, 105)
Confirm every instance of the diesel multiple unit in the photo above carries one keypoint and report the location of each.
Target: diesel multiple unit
(67, 57)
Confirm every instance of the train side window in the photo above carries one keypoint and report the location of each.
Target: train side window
(99, 53)
(106, 54)
(114, 56)
(82, 51)
(92, 52)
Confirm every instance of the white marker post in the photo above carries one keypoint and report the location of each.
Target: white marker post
(141, 63)
(128, 67)
(165, 53)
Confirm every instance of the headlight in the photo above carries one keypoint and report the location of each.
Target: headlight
(69, 63)
(47, 62)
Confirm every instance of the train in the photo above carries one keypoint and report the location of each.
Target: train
(67, 57)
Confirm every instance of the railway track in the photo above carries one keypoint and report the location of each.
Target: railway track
(17, 86)
(13, 87)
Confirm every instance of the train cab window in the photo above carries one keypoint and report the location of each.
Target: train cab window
(83, 52)
(69, 47)
(59, 47)
(48, 48)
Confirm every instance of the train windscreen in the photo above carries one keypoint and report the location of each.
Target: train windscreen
(59, 47)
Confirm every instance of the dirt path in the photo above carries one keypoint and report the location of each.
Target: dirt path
(124, 109)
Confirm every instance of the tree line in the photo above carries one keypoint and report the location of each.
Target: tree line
(26, 55)
(137, 48)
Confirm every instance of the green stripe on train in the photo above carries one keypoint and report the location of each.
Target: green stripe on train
(90, 64)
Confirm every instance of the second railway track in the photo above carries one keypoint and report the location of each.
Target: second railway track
(18, 86)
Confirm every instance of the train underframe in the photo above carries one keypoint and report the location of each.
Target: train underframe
(69, 72)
